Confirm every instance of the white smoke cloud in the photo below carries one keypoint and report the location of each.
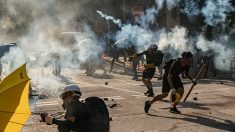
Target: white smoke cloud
(13, 59)
(174, 42)
(148, 18)
(216, 11)
(160, 4)
(221, 53)
(191, 8)
(36, 27)
(170, 3)
(135, 35)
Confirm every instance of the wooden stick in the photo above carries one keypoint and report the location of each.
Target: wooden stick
(197, 77)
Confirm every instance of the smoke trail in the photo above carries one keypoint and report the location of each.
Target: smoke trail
(135, 35)
(116, 21)
(216, 11)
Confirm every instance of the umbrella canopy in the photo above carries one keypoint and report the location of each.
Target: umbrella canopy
(14, 104)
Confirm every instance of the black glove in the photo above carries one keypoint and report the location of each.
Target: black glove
(194, 82)
(43, 115)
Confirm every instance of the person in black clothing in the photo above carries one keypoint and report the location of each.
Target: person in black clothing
(154, 58)
(208, 60)
(76, 115)
(171, 79)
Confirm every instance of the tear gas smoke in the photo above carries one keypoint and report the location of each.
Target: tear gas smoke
(216, 11)
(222, 55)
(170, 3)
(174, 42)
(116, 21)
(13, 59)
(36, 27)
(191, 8)
(136, 35)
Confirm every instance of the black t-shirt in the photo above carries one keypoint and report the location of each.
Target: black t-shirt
(79, 110)
(177, 69)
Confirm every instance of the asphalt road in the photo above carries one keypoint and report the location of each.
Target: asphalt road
(213, 111)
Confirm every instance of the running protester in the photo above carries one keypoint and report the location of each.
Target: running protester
(171, 79)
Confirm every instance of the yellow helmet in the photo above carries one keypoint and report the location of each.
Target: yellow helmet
(175, 97)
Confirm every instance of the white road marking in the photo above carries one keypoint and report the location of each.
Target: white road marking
(135, 84)
(47, 103)
(138, 96)
(129, 91)
(215, 90)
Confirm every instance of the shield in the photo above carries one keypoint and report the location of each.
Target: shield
(14, 104)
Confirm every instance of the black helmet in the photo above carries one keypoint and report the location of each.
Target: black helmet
(187, 54)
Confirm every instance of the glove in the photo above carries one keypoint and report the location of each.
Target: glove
(48, 119)
(194, 82)
(43, 115)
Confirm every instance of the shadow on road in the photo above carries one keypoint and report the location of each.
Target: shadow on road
(209, 121)
(194, 105)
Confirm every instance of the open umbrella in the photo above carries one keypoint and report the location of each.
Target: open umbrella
(14, 104)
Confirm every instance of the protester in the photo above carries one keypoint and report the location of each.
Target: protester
(154, 58)
(76, 115)
(171, 79)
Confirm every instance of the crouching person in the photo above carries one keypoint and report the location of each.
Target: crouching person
(79, 115)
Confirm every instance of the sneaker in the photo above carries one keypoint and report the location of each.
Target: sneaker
(134, 78)
(146, 106)
(175, 110)
(151, 94)
(147, 92)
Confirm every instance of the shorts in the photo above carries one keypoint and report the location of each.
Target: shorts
(149, 73)
(176, 83)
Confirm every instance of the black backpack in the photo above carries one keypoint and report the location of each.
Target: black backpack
(167, 64)
(159, 57)
(155, 58)
(98, 114)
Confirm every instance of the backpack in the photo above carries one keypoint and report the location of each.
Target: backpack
(98, 114)
(159, 57)
(167, 64)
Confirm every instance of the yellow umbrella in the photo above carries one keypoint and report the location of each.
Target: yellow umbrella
(14, 104)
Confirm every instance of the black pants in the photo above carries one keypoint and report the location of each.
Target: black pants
(149, 73)
(176, 83)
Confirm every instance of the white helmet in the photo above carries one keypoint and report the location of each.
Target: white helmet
(73, 88)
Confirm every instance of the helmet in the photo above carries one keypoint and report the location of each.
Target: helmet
(175, 97)
(152, 48)
(73, 88)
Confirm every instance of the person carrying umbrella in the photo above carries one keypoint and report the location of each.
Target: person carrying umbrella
(76, 115)
(171, 80)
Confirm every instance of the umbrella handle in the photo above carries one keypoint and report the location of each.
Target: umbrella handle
(197, 77)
